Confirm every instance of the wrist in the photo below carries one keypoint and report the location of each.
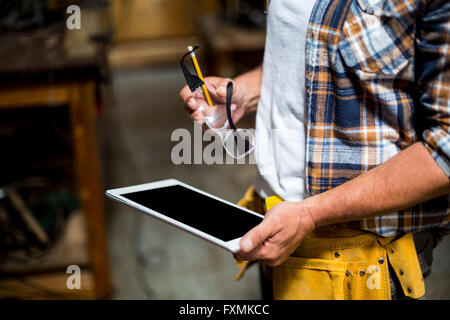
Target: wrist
(315, 209)
(306, 218)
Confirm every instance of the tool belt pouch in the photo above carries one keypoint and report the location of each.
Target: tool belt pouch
(342, 263)
(355, 268)
(338, 262)
(351, 268)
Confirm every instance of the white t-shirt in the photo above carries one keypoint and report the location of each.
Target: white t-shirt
(281, 116)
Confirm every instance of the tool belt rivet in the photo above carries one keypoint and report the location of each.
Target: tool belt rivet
(337, 254)
(381, 261)
(348, 273)
(362, 273)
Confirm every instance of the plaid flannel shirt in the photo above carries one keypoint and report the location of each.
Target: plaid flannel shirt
(377, 81)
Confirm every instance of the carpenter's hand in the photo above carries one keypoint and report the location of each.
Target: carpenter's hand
(278, 235)
(217, 88)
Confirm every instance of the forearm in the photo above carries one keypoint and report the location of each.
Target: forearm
(250, 83)
(409, 178)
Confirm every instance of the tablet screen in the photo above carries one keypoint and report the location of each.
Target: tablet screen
(196, 210)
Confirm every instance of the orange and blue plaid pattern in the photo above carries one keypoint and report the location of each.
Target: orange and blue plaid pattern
(377, 81)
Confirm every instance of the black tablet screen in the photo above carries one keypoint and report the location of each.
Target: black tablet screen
(196, 210)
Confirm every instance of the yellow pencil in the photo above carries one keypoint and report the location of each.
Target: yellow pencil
(199, 73)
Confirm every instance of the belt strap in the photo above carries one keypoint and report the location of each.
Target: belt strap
(272, 201)
(403, 258)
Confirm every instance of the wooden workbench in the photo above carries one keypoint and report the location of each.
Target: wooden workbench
(36, 71)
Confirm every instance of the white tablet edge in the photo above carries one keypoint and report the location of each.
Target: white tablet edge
(232, 245)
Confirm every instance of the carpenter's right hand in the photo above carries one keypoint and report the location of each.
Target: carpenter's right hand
(217, 88)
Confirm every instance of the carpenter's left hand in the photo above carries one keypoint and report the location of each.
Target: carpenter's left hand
(278, 235)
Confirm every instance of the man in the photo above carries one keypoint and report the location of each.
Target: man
(359, 91)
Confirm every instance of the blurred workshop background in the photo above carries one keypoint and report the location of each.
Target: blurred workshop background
(89, 109)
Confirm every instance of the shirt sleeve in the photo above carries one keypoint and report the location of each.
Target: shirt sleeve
(433, 72)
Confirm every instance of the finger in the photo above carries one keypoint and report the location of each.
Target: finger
(269, 252)
(218, 91)
(199, 94)
(189, 109)
(257, 236)
(221, 91)
(215, 82)
(192, 104)
(224, 82)
(192, 99)
(216, 99)
(185, 93)
(198, 116)
(258, 253)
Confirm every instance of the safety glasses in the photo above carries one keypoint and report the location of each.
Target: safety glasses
(238, 143)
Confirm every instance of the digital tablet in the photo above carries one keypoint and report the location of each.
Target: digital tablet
(190, 209)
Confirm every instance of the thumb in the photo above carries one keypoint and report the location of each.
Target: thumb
(255, 237)
(221, 89)
(221, 92)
